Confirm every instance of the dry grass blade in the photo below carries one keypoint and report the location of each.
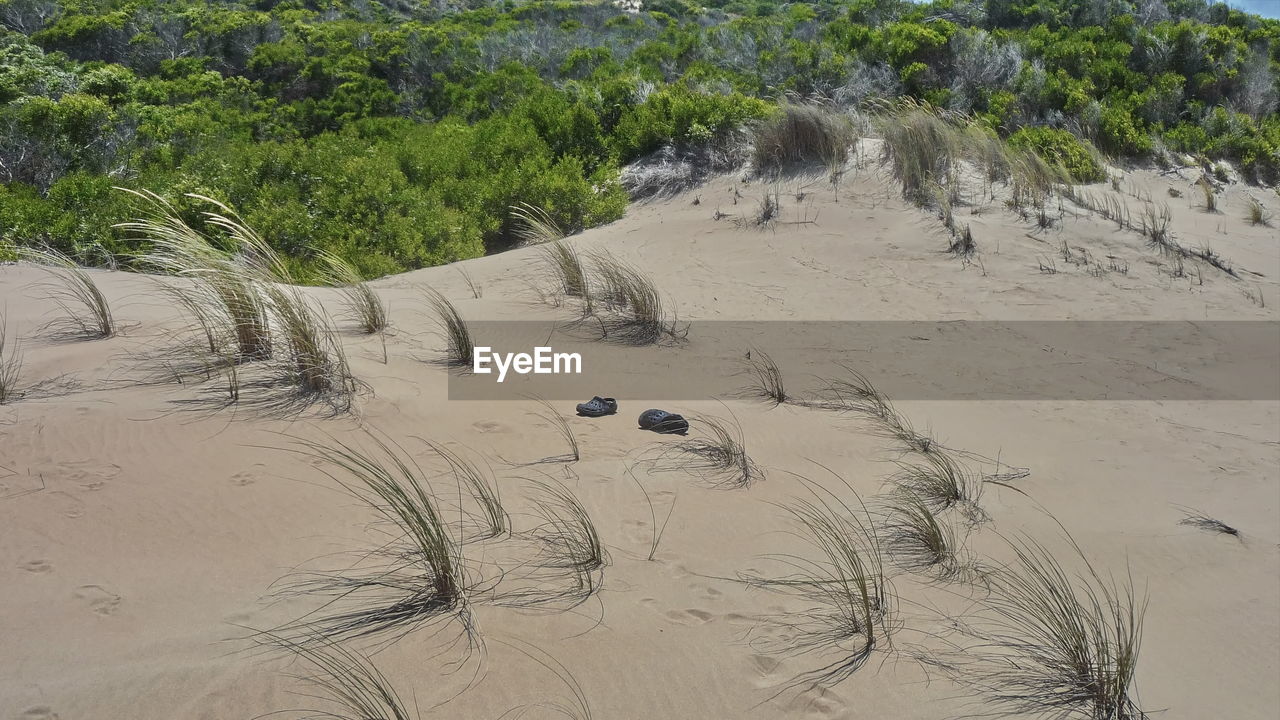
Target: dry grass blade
(553, 416)
(1258, 214)
(657, 531)
(1050, 645)
(922, 149)
(1155, 228)
(460, 346)
(1208, 195)
(846, 586)
(766, 378)
(718, 454)
(315, 359)
(10, 364)
(87, 312)
(857, 395)
(533, 225)
(361, 299)
(417, 575)
(566, 267)
(477, 290)
(577, 709)
(1197, 519)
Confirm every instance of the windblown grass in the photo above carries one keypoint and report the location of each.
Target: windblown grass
(628, 305)
(1257, 214)
(558, 421)
(1197, 519)
(765, 377)
(417, 575)
(856, 394)
(657, 531)
(1155, 228)
(346, 682)
(533, 225)
(1054, 644)
(576, 709)
(314, 357)
(460, 346)
(569, 544)
(362, 301)
(921, 148)
(938, 481)
(717, 453)
(803, 134)
(851, 599)
(10, 364)
(917, 538)
(1208, 196)
(566, 266)
(493, 519)
(87, 312)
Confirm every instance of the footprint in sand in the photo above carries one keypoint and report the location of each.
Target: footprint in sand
(243, 478)
(765, 664)
(100, 600)
(488, 426)
(68, 505)
(40, 712)
(36, 566)
(690, 616)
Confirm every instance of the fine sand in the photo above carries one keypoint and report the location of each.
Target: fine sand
(143, 524)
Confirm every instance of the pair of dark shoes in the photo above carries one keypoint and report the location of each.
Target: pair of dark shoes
(598, 407)
(661, 421)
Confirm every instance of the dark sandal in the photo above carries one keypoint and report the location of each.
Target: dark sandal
(661, 421)
(598, 406)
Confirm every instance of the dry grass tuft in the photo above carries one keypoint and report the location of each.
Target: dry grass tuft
(628, 306)
(1258, 214)
(922, 149)
(10, 364)
(460, 346)
(87, 313)
(717, 453)
(766, 378)
(558, 421)
(533, 225)
(362, 301)
(1155, 228)
(347, 682)
(568, 541)
(803, 134)
(568, 271)
(492, 520)
(313, 355)
(917, 539)
(1197, 519)
(1208, 195)
(938, 481)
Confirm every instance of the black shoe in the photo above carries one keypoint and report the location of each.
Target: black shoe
(661, 421)
(598, 406)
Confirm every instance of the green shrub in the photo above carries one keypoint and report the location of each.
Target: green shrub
(1059, 147)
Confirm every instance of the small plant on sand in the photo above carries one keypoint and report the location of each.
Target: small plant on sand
(1053, 644)
(1208, 195)
(938, 481)
(1257, 214)
(313, 356)
(1197, 519)
(87, 313)
(765, 378)
(917, 538)
(568, 544)
(10, 364)
(717, 453)
(803, 133)
(415, 575)
(362, 301)
(850, 598)
(962, 244)
(921, 147)
(569, 274)
(1211, 256)
(477, 290)
(492, 520)
(549, 413)
(533, 225)
(856, 394)
(628, 305)
(347, 682)
(460, 346)
(1155, 228)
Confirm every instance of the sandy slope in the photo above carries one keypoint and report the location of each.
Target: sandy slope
(139, 533)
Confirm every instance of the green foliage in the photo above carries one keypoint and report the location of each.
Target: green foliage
(1059, 147)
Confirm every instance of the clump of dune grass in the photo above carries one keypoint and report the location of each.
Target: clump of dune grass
(803, 133)
(569, 545)
(225, 288)
(628, 306)
(1257, 214)
(1155, 228)
(493, 519)
(765, 378)
(362, 301)
(962, 243)
(1208, 195)
(1211, 256)
(921, 148)
(415, 575)
(313, 356)
(1050, 643)
(10, 364)
(656, 530)
(86, 311)
(917, 538)
(533, 225)
(460, 346)
(938, 480)
(850, 597)
(578, 708)
(549, 413)
(567, 268)
(717, 453)
(1197, 519)
(856, 394)
(477, 290)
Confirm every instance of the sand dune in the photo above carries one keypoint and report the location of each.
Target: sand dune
(143, 522)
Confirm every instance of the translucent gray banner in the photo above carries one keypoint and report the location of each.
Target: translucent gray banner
(961, 360)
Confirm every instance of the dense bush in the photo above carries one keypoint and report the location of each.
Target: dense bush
(399, 133)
